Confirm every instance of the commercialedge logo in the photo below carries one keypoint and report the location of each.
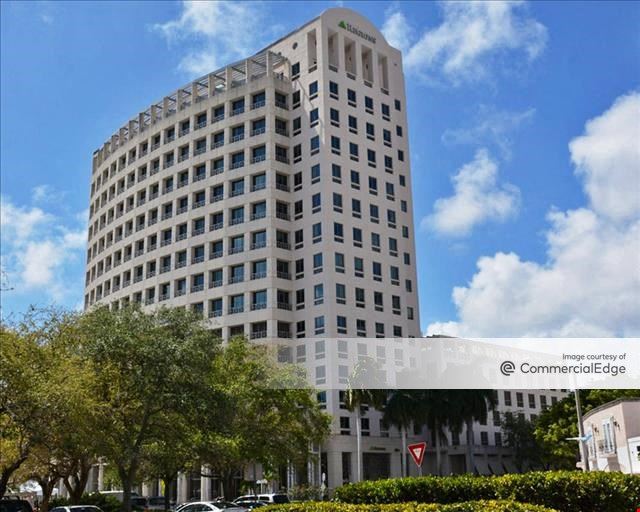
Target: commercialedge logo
(354, 30)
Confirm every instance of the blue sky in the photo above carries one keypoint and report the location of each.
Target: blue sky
(523, 129)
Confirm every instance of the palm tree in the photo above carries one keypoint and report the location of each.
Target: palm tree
(400, 412)
(364, 387)
(474, 405)
(440, 410)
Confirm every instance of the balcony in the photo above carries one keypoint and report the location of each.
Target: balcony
(235, 310)
(258, 104)
(258, 334)
(258, 131)
(284, 305)
(216, 145)
(197, 288)
(258, 305)
(259, 158)
(237, 138)
(258, 245)
(258, 275)
(215, 313)
(283, 245)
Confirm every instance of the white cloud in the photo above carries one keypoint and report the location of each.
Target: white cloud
(220, 31)
(490, 126)
(18, 223)
(477, 198)
(470, 38)
(36, 247)
(607, 158)
(589, 284)
(396, 30)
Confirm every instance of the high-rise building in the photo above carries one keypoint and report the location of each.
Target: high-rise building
(274, 196)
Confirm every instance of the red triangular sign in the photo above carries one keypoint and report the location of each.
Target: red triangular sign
(417, 452)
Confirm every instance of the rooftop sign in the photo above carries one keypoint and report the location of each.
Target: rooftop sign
(354, 30)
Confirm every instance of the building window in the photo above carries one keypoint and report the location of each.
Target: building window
(313, 117)
(333, 90)
(313, 90)
(351, 97)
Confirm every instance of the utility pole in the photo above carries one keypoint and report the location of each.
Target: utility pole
(584, 452)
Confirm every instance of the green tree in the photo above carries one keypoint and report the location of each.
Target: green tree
(147, 367)
(400, 411)
(44, 399)
(519, 436)
(559, 422)
(474, 405)
(172, 452)
(360, 392)
(270, 415)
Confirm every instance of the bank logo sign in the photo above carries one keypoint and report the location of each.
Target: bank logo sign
(354, 30)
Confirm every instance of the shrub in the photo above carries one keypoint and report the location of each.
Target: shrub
(563, 490)
(469, 506)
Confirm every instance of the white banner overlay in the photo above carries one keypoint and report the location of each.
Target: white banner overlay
(455, 363)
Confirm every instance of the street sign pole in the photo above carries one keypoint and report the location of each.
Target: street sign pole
(417, 451)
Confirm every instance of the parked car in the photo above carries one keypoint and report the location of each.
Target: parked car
(15, 505)
(157, 503)
(212, 506)
(274, 497)
(77, 508)
(139, 503)
(119, 495)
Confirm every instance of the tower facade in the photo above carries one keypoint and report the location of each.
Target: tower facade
(274, 196)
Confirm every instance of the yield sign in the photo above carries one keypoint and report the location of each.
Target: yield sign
(417, 452)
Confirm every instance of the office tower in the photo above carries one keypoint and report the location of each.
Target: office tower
(274, 196)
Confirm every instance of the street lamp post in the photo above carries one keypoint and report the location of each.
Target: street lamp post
(583, 447)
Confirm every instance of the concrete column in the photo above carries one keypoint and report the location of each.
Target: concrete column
(165, 106)
(228, 77)
(146, 489)
(91, 481)
(179, 100)
(182, 488)
(211, 85)
(194, 93)
(269, 63)
(334, 469)
(247, 70)
(205, 484)
(375, 72)
(154, 113)
(101, 476)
